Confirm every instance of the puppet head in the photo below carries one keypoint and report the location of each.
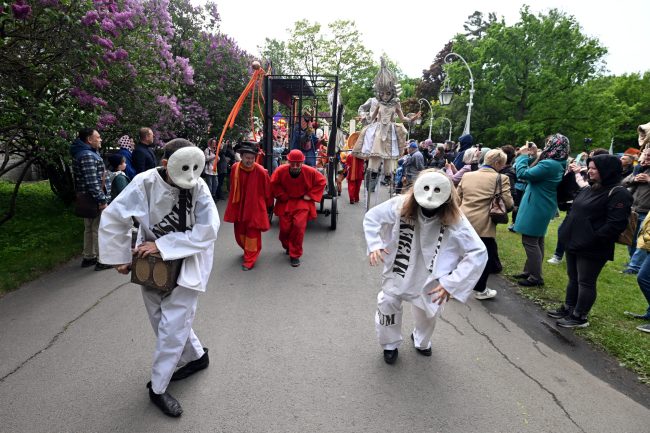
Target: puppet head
(184, 163)
(644, 135)
(385, 84)
(432, 189)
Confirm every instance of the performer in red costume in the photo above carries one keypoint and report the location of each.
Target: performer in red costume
(296, 188)
(354, 170)
(250, 196)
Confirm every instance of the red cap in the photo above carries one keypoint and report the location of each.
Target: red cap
(295, 156)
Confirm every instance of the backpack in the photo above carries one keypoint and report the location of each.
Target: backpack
(566, 191)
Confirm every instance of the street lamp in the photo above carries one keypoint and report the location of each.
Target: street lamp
(421, 100)
(445, 95)
(471, 91)
(444, 118)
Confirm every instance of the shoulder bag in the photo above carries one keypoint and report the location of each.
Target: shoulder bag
(627, 236)
(498, 210)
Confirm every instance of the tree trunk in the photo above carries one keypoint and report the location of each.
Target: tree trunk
(14, 195)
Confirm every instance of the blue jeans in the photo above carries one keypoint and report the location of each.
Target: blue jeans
(559, 247)
(213, 184)
(637, 255)
(643, 278)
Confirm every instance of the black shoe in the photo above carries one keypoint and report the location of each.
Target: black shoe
(425, 352)
(529, 282)
(560, 313)
(645, 316)
(102, 267)
(192, 367)
(390, 356)
(85, 263)
(167, 404)
(244, 268)
(572, 322)
(522, 275)
(295, 262)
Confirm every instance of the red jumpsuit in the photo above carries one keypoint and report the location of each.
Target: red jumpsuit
(294, 211)
(354, 167)
(250, 196)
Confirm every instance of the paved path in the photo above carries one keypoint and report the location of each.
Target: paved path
(294, 350)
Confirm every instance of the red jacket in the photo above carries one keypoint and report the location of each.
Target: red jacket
(250, 196)
(289, 192)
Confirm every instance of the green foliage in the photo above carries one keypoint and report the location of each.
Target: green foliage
(46, 235)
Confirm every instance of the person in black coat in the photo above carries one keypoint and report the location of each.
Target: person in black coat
(599, 214)
(144, 157)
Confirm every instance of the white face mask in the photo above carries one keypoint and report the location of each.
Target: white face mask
(431, 190)
(185, 165)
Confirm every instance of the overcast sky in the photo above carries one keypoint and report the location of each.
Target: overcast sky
(412, 34)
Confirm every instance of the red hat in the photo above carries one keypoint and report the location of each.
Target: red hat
(295, 156)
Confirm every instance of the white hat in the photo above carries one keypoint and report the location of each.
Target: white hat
(432, 190)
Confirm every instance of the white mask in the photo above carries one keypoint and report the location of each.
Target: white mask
(185, 165)
(431, 190)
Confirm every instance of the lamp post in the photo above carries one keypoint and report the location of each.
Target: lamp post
(446, 94)
(421, 100)
(444, 118)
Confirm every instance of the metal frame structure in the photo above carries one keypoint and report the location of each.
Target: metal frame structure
(292, 91)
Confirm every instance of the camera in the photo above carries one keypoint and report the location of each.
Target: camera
(588, 140)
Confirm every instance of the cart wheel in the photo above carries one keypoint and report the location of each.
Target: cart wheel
(334, 214)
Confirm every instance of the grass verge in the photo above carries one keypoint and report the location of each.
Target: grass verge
(609, 328)
(43, 234)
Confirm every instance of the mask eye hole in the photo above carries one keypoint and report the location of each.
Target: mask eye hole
(436, 190)
(185, 167)
(426, 187)
(195, 167)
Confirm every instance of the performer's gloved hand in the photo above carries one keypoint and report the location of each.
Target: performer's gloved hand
(439, 295)
(377, 256)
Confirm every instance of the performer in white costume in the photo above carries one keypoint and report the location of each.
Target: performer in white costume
(430, 252)
(153, 200)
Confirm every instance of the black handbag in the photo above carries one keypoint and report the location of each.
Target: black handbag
(498, 210)
(154, 272)
(85, 206)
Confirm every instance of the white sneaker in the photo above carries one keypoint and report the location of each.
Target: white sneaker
(485, 294)
(555, 260)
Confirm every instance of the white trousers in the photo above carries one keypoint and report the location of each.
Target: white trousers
(171, 316)
(388, 323)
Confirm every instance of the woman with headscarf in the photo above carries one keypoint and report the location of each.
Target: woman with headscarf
(599, 214)
(538, 206)
(429, 252)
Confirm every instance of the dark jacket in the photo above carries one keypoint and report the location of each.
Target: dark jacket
(88, 170)
(143, 158)
(466, 141)
(599, 213)
(129, 170)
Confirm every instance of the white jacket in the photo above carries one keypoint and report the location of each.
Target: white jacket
(457, 266)
(154, 204)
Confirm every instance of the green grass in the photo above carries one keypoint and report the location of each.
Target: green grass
(609, 328)
(43, 234)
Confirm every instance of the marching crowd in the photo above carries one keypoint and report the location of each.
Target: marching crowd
(436, 240)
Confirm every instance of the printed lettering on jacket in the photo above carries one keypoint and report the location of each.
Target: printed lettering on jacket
(406, 231)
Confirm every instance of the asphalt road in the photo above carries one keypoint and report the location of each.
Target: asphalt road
(294, 350)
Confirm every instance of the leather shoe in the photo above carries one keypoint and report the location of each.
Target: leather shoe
(192, 367)
(522, 275)
(530, 282)
(102, 267)
(85, 263)
(166, 403)
(424, 352)
(390, 356)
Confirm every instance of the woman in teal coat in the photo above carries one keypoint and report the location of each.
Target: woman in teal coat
(539, 203)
